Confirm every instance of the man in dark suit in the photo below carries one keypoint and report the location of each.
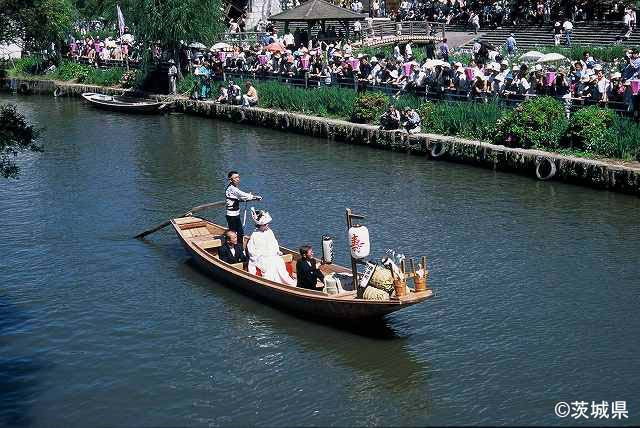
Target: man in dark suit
(307, 272)
(232, 251)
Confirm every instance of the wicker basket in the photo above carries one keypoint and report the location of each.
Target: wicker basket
(400, 287)
(420, 284)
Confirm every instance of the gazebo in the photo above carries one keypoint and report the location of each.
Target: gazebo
(312, 12)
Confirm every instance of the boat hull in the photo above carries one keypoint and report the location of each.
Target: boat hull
(308, 304)
(141, 107)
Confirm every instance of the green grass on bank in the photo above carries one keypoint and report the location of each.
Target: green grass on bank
(536, 123)
(71, 71)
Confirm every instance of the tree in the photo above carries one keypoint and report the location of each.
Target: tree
(36, 23)
(165, 21)
(16, 136)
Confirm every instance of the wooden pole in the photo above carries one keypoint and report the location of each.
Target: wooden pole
(354, 262)
(354, 267)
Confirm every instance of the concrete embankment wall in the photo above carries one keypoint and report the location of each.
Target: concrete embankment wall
(533, 163)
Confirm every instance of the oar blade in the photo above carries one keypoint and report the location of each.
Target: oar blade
(155, 229)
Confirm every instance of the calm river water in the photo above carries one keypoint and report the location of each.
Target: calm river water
(538, 289)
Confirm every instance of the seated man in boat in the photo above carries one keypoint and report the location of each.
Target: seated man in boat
(264, 251)
(307, 271)
(232, 251)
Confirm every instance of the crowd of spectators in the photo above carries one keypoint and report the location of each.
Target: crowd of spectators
(487, 75)
(495, 13)
(95, 51)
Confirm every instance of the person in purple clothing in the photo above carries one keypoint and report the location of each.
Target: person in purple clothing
(444, 50)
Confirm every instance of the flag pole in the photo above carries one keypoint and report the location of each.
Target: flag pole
(121, 31)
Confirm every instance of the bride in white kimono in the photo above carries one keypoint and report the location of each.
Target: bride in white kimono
(264, 251)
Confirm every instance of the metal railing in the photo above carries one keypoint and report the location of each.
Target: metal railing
(383, 28)
(244, 37)
(424, 92)
(108, 63)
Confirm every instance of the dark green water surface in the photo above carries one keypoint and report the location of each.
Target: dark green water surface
(538, 289)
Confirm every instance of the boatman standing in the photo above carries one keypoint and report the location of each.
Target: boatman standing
(233, 197)
(173, 75)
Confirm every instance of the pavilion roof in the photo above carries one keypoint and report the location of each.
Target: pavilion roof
(317, 10)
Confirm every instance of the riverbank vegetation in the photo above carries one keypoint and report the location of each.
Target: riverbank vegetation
(17, 135)
(71, 71)
(538, 123)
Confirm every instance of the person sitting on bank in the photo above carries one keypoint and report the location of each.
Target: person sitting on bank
(251, 97)
(233, 93)
(223, 95)
(411, 120)
(264, 251)
(307, 271)
(390, 119)
(232, 251)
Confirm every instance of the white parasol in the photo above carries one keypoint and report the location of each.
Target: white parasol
(197, 45)
(432, 63)
(552, 57)
(531, 56)
(220, 46)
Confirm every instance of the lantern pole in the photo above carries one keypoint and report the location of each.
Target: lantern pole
(354, 262)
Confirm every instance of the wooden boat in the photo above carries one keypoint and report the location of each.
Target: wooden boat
(202, 238)
(123, 104)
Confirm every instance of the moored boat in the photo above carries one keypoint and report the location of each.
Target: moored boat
(124, 104)
(202, 238)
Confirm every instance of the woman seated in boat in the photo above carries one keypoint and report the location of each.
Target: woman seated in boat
(264, 251)
(307, 272)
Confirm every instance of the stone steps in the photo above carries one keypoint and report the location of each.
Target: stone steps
(531, 36)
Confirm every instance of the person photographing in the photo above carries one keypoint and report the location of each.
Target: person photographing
(233, 196)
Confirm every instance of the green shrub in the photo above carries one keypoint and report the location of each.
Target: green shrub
(627, 138)
(368, 107)
(27, 65)
(590, 129)
(187, 83)
(69, 70)
(131, 78)
(536, 123)
(104, 77)
(83, 73)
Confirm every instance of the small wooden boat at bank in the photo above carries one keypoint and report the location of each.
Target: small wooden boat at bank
(124, 104)
(202, 238)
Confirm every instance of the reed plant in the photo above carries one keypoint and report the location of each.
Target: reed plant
(325, 101)
(29, 65)
(82, 73)
(186, 84)
(462, 119)
(627, 138)
(606, 54)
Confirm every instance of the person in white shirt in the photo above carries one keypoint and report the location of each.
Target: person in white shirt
(375, 7)
(264, 251)
(408, 51)
(568, 31)
(234, 196)
(475, 21)
(357, 30)
(347, 50)
(289, 40)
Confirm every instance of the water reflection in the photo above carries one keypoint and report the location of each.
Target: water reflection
(20, 373)
(377, 351)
